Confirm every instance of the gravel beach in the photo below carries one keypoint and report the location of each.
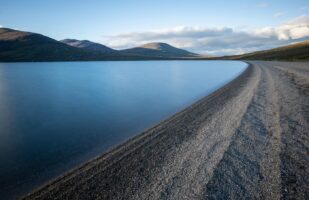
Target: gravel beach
(247, 140)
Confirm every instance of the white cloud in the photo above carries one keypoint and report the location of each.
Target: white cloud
(294, 29)
(218, 40)
(1, 26)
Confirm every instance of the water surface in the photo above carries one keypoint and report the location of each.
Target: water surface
(56, 115)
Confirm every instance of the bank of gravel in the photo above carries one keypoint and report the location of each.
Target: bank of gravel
(248, 139)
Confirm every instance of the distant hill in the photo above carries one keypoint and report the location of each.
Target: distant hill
(16, 46)
(298, 51)
(25, 46)
(91, 46)
(161, 50)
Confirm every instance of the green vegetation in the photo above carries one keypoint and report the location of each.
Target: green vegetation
(294, 52)
(158, 49)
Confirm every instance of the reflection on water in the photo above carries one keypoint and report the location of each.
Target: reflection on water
(8, 138)
(56, 115)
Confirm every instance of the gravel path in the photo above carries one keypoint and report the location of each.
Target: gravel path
(248, 140)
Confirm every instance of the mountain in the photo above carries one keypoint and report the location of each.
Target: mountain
(91, 46)
(298, 51)
(16, 46)
(161, 50)
(25, 46)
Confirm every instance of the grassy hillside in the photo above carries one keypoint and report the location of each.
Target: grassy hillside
(298, 51)
(160, 50)
(25, 46)
(91, 46)
(16, 46)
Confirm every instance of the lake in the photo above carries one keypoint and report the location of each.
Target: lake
(56, 115)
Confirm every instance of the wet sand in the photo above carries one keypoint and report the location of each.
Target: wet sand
(247, 140)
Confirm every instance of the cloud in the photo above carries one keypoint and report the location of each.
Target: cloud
(279, 14)
(218, 40)
(293, 29)
(1, 26)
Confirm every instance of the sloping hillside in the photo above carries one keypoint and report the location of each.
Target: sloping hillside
(91, 46)
(298, 51)
(162, 50)
(25, 46)
(16, 46)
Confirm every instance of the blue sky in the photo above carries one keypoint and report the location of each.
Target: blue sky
(124, 23)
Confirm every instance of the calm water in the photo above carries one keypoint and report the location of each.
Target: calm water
(56, 115)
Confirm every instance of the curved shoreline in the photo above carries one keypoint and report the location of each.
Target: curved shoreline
(189, 155)
(148, 132)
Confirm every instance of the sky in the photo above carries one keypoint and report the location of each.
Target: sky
(206, 27)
